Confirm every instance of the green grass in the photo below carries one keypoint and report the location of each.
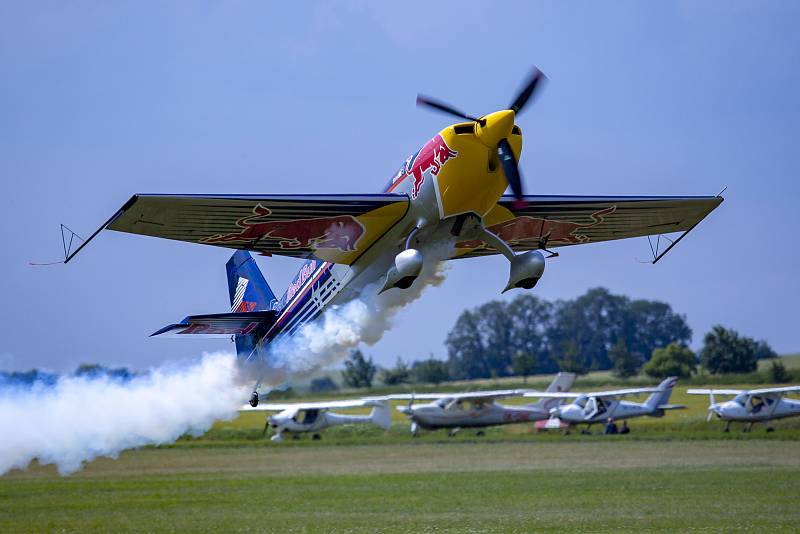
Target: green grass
(675, 473)
(451, 487)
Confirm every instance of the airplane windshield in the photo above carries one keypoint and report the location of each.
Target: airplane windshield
(442, 403)
(740, 399)
(581, 401)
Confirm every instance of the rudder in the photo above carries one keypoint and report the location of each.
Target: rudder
(247, 287)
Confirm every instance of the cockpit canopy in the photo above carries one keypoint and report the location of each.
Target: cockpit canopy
(581, 401)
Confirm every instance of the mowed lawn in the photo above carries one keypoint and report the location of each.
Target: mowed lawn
(455, 486)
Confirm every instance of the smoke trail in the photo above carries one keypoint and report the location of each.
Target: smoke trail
(79, 419)
(344, 327)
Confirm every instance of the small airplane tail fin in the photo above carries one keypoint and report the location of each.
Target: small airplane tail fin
(381, 415)
(248, 289)
(661, 397)
(562, 382)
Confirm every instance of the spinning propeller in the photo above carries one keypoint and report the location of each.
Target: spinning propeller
(494, 128)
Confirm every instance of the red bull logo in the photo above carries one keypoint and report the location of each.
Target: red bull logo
(530, 230)
(341, 232)
(432, 156)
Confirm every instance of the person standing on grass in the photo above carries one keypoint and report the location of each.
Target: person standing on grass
(611, 426)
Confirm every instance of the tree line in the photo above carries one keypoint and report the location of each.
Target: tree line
(594, 332)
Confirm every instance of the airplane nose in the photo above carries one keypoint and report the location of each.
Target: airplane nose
(404, 409)
(494, 127)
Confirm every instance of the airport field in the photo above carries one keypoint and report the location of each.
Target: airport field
(588, 485)
(674, 474)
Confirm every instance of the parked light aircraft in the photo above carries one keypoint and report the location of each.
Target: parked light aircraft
(598, 406)
(447, 195)
(751, 406)
(314, 417)
(455, 411)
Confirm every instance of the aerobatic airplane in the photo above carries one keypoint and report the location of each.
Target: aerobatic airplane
(478, 409)
(751, 406)
(314, 417)
(599, 406)
(448, 193)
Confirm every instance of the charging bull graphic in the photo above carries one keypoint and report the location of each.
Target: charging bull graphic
(432, 156)
(531, 230)
(341, 231)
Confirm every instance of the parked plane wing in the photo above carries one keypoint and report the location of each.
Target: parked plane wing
(575, 395)
(498, 394)
(277, 407)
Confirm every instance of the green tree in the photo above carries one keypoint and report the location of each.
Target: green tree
(777, 373)
(323, 384)
(524, 364)
(725, 351)
(531, 319)
(673, 360)
(570, 359)
(624, 363)
(763, 351)
(478, 344)
(430, 371)
(358, 371)
(399, 374)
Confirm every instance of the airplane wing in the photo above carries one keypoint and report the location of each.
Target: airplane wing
(558, 221)
(335, 228)
(278, 407)
(603, 394)
(498, 394)
(767, 391)
(696, 391)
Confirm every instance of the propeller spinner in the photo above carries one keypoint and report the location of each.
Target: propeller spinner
(493, 129)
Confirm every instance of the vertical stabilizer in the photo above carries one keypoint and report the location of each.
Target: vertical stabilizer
(562, 382)
(248, 291)
(247, 287)
(662, 395)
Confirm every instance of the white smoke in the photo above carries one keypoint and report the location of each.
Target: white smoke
(342, 328)
(79, 419)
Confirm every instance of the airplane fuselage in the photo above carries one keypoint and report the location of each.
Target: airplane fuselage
(433, 416)
(453, 183)
(575, 414)
(770, 409)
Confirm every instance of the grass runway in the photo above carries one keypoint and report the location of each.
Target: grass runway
(594, 484)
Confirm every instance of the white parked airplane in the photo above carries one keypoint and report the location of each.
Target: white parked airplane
(455, 411)
(297, 418)
(599, 406)
(751, 406)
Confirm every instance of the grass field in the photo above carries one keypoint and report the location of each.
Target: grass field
(614, 484)
(676, 473)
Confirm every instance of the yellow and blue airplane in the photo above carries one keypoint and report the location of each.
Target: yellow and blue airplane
(449, 192)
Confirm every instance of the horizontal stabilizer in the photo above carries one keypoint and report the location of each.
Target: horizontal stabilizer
(672, 406)
(221, 325)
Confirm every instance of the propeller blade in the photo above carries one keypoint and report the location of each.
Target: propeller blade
(509, 163)
(522, 98)
(445, 108)
(710, 415)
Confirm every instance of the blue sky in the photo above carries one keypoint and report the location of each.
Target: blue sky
(100, 100)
